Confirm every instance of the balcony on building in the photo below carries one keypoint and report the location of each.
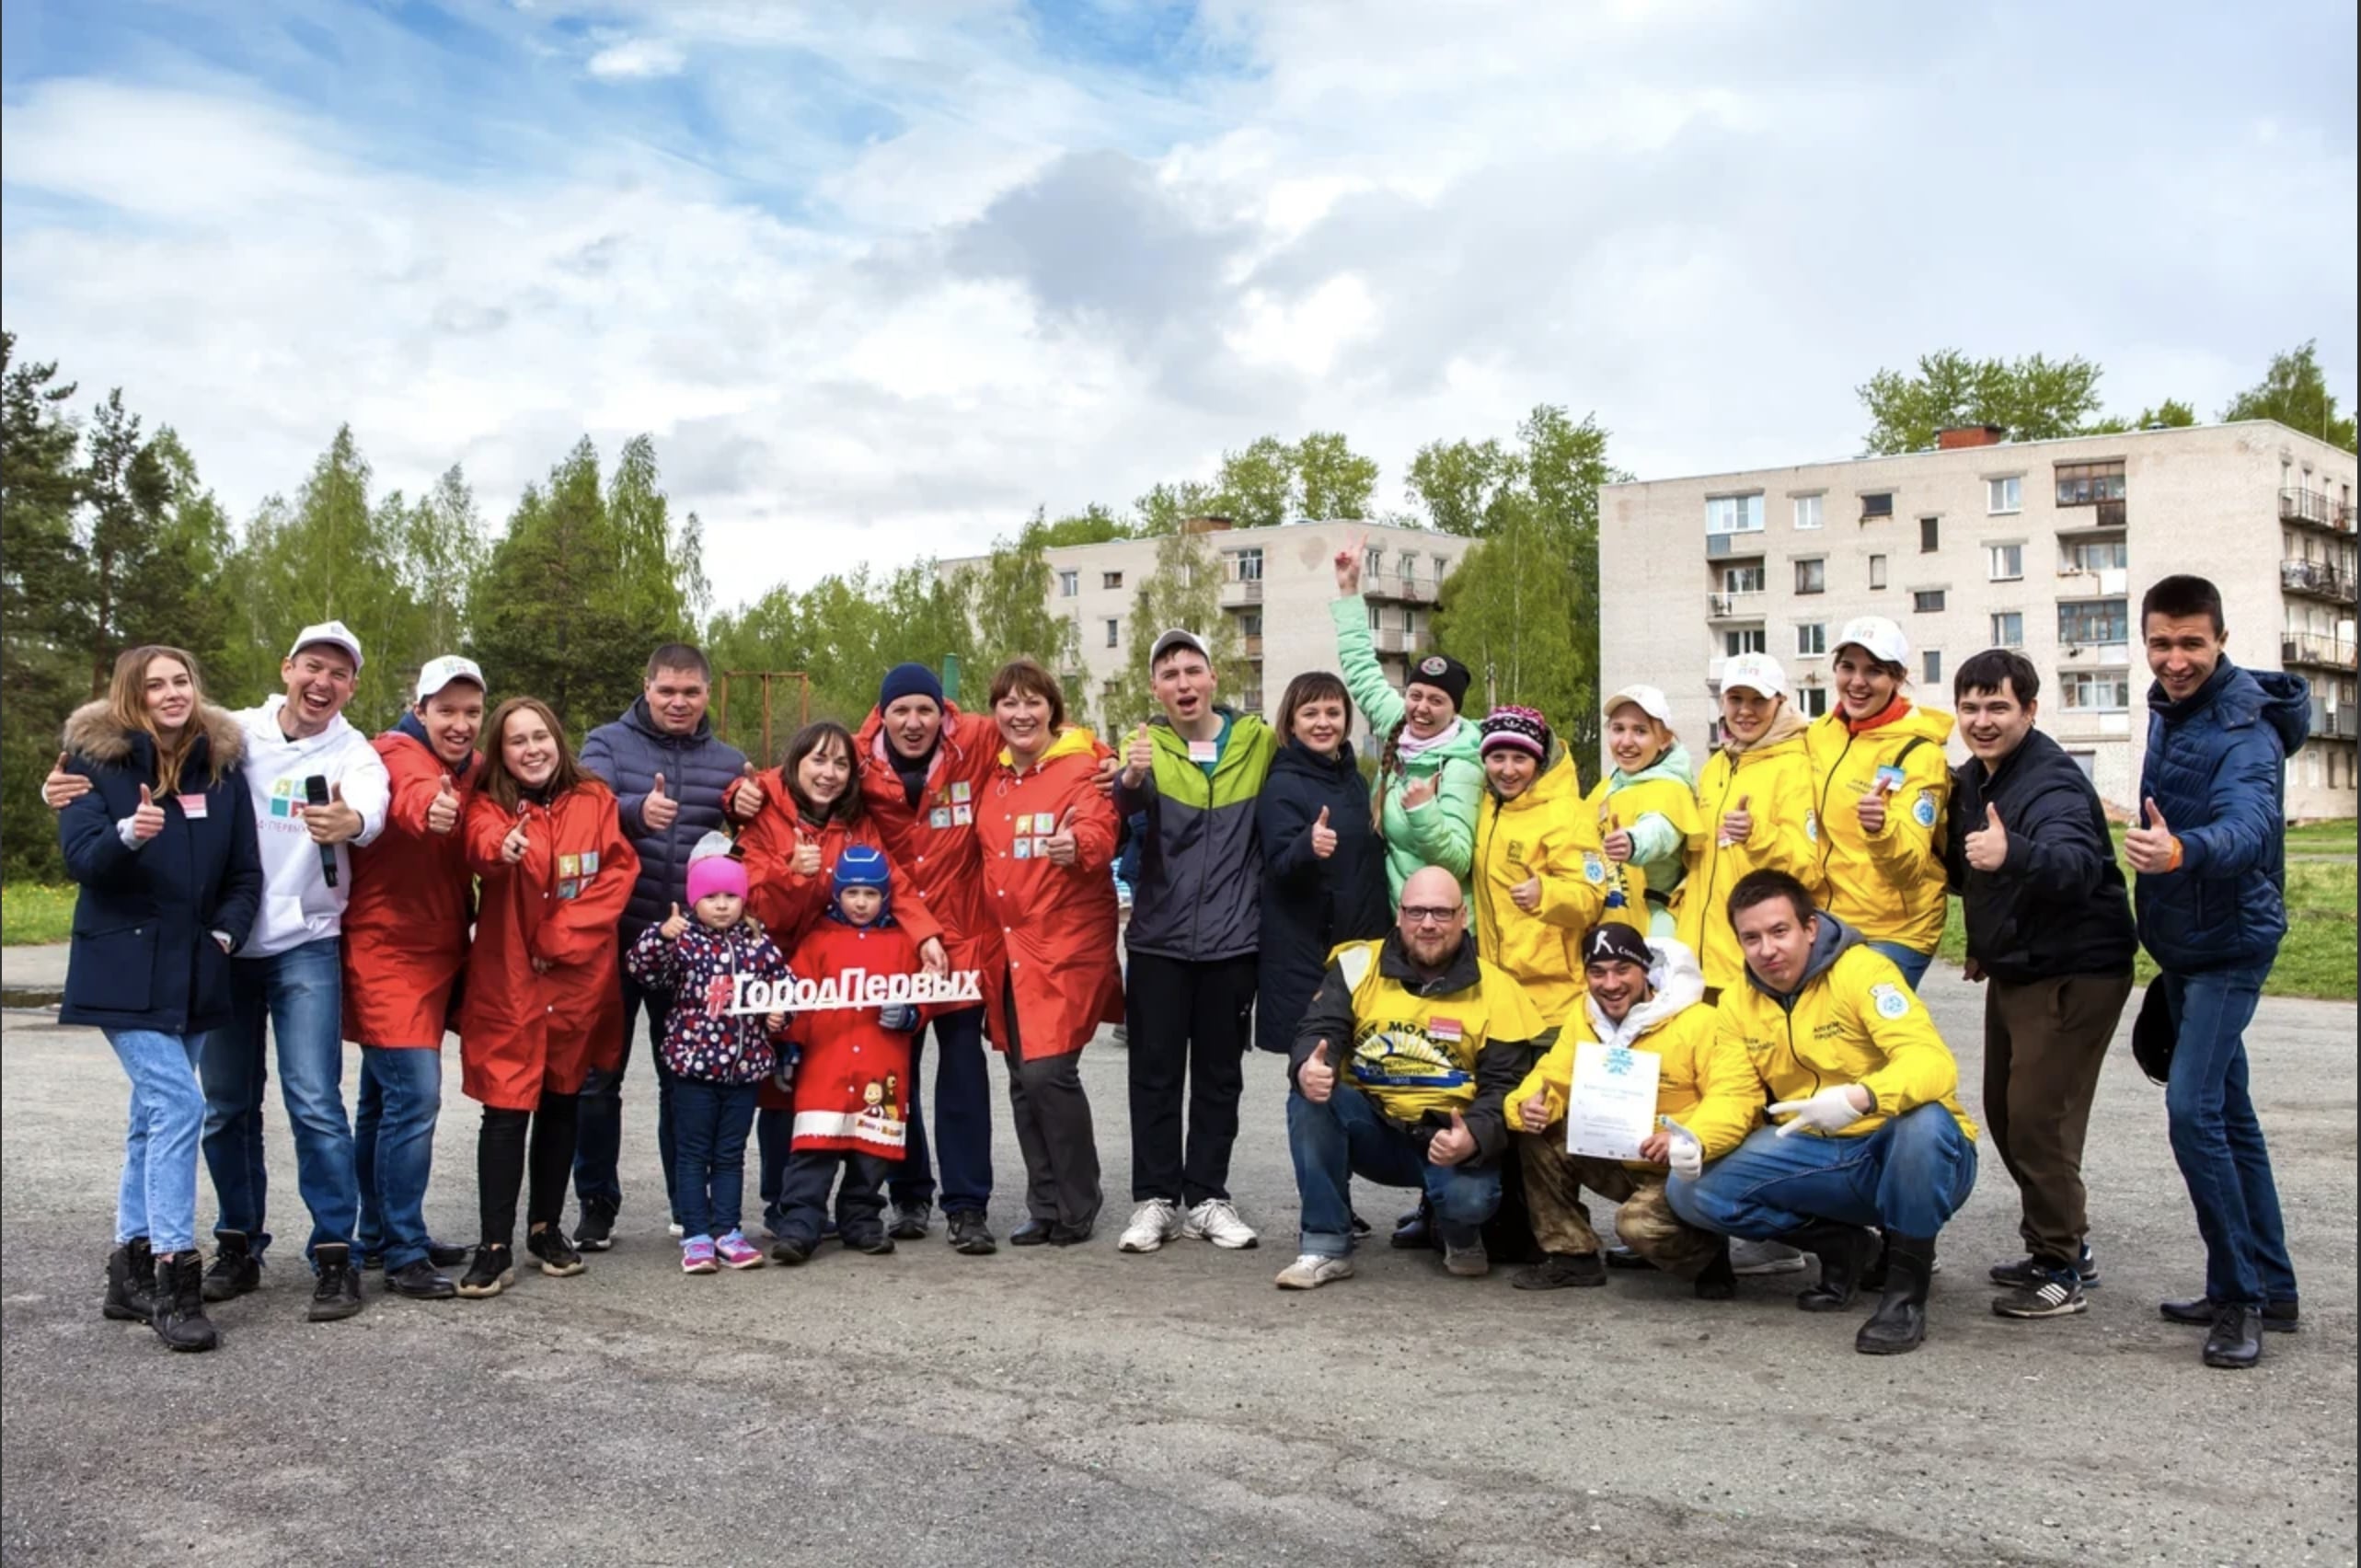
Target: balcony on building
(1391, 640)
(1253, 646)
(2317, 580)
(1734, 607)
(1238, 594)
(2315, 650)
(2316, 509)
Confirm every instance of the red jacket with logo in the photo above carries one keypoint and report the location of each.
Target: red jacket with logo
(406, 926)
(1057, 922)
(934, 841)
(852, 1089)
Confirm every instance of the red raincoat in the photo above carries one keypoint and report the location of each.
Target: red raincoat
(934, 841)
(852, 1089)
(1057, 922)
(522, 1032)
(787, 904)
(406, 925)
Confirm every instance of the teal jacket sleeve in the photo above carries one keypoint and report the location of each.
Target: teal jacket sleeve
(1443, 831)
(1372, 693)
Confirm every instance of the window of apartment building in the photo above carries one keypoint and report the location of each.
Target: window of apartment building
(1812, 701)
(1070, 583)
(1811, 576)
(2007, 562)
(1927, 601)
(1374, 563)
(1877, 571)
(1744, 639)
(2009, 629)
(1108, 693)
(1807, 511)
(1372, 618)
(1115, 632)
(1442, 569)
(2096, 691)
(2098, 555)
(1811, 639)
(1931, 535)
(1250, 623)
(1410, 567)
(1250, 565)
(1734, 514)
(1742, 580)
(1110, 580)
(1930, 660)
(2004, 495)
(2088, 761)
(2086, 484)
(1877, 506)
(2081, 621)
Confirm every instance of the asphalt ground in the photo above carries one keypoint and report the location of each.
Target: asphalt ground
(1082, 1407)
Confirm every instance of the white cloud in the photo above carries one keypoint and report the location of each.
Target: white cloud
(638, 57)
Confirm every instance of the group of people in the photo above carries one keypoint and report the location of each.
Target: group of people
(1437, 943)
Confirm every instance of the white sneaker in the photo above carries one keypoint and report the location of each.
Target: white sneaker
(1756, 1259)
(1215, 1220)
(1153, 1223)
(1313, 1270)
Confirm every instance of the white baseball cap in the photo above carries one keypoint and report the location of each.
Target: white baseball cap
(335, 633)
(1646, 699)
(1756, 671)
(440, 673)
(1880, 637)
(1177, 638)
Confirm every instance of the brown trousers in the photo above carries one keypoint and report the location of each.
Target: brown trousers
(2044, 1044)
(1554, 1181)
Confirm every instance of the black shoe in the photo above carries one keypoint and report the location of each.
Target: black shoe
(235, 1269)
(336, 1294)
(420, 1281)
(2278, 1317)
(2034, 1271)
(1033, 1233)
(1415, 1229)
(1716, 1282)
(1844, 1250)
(559, 1258)
(909, 1224)
(2052, 1291)
(491, 1273)
(1071, 1235)
(1360, 1226)
(1900, 1321)
(596, 1231)
(2236, 1343)
(130, 1283)
(1625, 1258)
(179, 1317)
(876, 1243)
(1558, 1271)
(446, 1254)
(970, 1236)
(373, 1261)
(789, 1250)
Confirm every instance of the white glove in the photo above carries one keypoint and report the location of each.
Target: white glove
(1830, 1110)
(1684, 1153)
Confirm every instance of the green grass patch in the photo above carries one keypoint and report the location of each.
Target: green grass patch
(32, 913)
(2321, 838)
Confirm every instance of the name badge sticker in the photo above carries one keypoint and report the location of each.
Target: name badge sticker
(1888, 777)
(1446, 1029)
(1205, 751)
(192, 807)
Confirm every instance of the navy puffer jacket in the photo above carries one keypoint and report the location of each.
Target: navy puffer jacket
(1311, 905)
(2216, 767)
(627, 754)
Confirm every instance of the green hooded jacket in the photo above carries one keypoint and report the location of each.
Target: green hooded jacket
(1443, 832)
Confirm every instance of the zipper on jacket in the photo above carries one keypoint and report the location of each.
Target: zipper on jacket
(1827, 834)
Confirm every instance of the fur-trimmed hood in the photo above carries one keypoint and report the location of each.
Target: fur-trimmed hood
(91, 732)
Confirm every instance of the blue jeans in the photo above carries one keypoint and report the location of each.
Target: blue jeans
(2217, 1140)
(157, 1198)
(963, 1121)
(298, 996)
(598, 1136)
(392, 1148)
(1909, 1177)
(1345, 1138)
(710, 1121)
(1910, 961)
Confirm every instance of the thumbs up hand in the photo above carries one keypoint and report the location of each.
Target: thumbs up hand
(1323, 837)
(335, 823)
(2151, 848)
(746, 800)
(443, 812)
(672, 926)
(1527, 895)
(807, 856)
(1453, 1146)
(1870, 807)
(61, 786)
(1316, 1078)
(658, 809)
(1738, 825)
(148, 820)
(1139, 758)
(1533, 1114)
(1616, 843)
(512, 848)
(1683, 1152)
(1059, 846)
(1988, 846)
(1419, 792)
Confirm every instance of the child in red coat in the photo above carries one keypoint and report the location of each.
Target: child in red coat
(852, 1089)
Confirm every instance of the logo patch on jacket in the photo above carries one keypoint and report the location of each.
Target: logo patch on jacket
(1400, 1055)
(1594, 869)
(1923, 811)
(1891, 1000)
(1811, 825)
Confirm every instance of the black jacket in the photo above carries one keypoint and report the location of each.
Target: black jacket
(1310, 905)
(144, 955)
(627, 754)
(2057, 906)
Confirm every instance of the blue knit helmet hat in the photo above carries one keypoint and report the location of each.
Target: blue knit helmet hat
(860, 866)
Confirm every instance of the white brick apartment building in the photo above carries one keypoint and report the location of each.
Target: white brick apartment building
(1275, 587)
(2041, 546)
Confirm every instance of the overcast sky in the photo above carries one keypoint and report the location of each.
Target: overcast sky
(883, 278)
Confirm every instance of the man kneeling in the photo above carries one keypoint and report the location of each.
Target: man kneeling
(1874, 1132)
(1647, 997)
(1402, 1067)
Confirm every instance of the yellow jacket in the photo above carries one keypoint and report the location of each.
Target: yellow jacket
(1855, 1021)
(1548, 832)
(1775, 780)
(1890, 888)
(1703, 1081)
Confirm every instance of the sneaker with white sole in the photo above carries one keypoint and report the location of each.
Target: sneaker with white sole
(1313, 1270)
(1153, 1223)
(1754, 1259)
(1217, 1220)
(2051, 1293)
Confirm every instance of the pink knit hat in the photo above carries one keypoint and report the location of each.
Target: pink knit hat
(716, 873)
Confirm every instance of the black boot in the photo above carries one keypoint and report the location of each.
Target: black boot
(131, 1282)
(1900, 1321)
(337, 1292)
(1715, 1282)
(1843, 1250)
(1416, 1229)
(179, 1317)
(235, 1269)
(2236, 1343)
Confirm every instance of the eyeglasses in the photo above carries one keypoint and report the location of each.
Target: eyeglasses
(1429, 914)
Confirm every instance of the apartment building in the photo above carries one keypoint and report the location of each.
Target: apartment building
(1276, 588)
(2044, 546)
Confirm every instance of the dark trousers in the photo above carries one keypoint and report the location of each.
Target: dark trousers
(597, 1183)
(1189, 1025)
(860, 1196)
(2044, 1042)
(961, 1123)
(500, 1160)
(1055, 1133)
(710, 1121)
(774, 1132)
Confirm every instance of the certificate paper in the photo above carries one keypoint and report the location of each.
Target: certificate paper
(1611, 1107)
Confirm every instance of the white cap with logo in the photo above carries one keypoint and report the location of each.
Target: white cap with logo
(1178, 637)
(1646, 699)
(1880, 637)
(440, 673)
(1755, 672)
(334, 634)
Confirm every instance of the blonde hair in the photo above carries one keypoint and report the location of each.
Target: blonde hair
(127, 705)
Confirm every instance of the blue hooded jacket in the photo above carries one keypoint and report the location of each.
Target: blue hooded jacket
(2216, 769)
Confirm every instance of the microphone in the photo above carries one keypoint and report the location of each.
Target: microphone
(316, 794)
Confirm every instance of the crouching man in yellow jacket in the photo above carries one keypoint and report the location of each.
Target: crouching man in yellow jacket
(1647, 997)
(1869, 1130)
